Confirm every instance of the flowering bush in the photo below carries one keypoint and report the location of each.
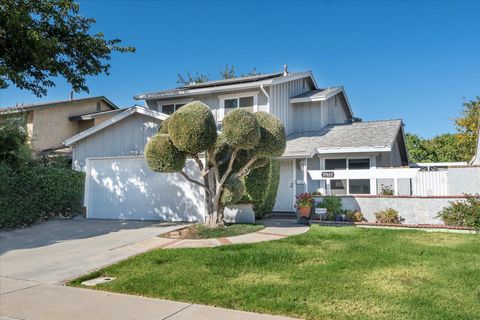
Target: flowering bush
(304, 200)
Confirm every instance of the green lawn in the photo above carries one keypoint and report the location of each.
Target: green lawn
(327, 273)
(203, 232)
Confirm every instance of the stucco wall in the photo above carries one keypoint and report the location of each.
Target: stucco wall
(463, 180)
(51, 126)
(415, 210)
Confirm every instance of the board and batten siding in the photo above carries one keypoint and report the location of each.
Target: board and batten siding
(210, 99)
(280, 95)
(310, 116)
(125, 138)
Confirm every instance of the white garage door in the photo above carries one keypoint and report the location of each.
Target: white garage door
(125, 188)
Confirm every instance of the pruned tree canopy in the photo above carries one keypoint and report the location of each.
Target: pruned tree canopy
(247, 142)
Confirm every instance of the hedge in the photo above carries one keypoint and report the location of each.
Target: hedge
(36, 192)
(261, 186)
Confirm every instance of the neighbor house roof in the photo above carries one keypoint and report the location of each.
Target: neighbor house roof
(43, 105)
(227, 85)
(93, 115)
(119, 117)
(368, 136)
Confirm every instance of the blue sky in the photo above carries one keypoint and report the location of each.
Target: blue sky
(411, 60)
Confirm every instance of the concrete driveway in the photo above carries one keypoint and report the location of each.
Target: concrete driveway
(59, 250)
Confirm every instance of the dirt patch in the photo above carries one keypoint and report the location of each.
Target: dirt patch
(190, 232)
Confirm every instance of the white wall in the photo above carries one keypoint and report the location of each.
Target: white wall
(415, 210)
(119, 139)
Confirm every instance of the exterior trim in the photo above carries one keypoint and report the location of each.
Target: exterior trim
(128, 112)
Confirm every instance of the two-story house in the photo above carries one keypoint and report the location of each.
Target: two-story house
(50, 123)
(329, 150)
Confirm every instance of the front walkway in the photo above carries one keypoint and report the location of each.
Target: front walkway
(32, 272)
(274, 230)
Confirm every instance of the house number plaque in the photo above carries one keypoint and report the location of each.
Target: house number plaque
(328, 174)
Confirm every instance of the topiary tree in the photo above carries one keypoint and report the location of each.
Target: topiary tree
(248, 140)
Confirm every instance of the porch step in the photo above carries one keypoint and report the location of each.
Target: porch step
(281, 215)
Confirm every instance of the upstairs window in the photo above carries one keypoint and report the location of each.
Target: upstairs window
(171, 108)
(247, 101)
(244, 102)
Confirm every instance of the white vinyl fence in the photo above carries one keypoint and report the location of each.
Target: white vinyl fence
(430, 183)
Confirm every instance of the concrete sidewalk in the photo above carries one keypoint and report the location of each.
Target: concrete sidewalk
(35, 301)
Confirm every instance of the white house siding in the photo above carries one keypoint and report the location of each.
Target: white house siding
(310, 116)
(124, 138)
(390, 159)
(280, 95)
(211, 99)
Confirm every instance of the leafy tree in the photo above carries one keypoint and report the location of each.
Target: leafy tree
(44, 39)
(247, 142)
(227, 73)
(467, 126)
(418, 149)
(191, 78)
(446, 148)
(14, 148)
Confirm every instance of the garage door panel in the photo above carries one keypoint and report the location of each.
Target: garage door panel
(125, 188)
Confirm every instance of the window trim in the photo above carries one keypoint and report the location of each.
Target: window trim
(223, 97)
(160, 104)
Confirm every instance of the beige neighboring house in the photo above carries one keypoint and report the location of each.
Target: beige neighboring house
(50, 123)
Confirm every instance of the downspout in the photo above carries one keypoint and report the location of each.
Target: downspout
(268, 97)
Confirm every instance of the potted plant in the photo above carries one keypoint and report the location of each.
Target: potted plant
(304, 204)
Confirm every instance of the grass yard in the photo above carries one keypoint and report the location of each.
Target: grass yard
(327, 273)
(199, 231)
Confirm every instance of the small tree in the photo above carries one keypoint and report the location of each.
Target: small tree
(247, 141)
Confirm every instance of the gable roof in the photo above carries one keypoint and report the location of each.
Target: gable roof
(227, 85)
(323, 95)
(370, 136)
(119, 117)
(43, 105)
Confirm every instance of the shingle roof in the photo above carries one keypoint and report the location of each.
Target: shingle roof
(357, 135)
(26, 107)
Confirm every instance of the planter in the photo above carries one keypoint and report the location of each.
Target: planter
(304, 211)
(239, 213)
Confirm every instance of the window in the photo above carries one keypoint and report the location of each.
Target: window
(171, 108)
(335, 164)
(354, 164)
(245, 100)
(98, 107)
(359, 186)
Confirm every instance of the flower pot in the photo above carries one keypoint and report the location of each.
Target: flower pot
(304, 211)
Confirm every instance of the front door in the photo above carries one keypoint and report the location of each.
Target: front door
(284, 201)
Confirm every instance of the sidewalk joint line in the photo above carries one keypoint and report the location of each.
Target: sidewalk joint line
(176, 312)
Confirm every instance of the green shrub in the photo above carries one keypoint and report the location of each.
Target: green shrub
(257, 182)
(272, 141)
(333, 205)
(192, 128)
(233, 192)
(164, 126)
(353, 216)
(241, 129)
(265, 205)
(162, 156)
(463, 213)
(388, 215)
(36, 192)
